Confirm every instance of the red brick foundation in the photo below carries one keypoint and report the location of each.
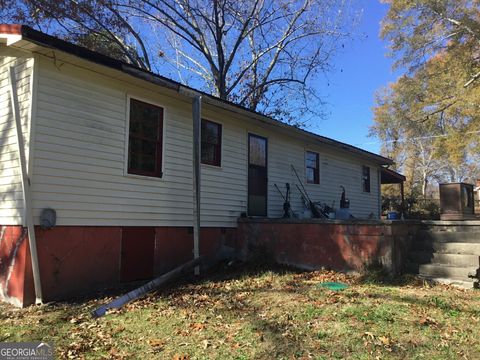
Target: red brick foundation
(15, 266)
(77, 260)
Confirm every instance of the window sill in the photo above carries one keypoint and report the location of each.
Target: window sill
(213, 167)
(144, 177)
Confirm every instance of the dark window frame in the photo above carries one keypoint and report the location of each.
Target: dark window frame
(218, 147)
(158, 172)
(366, 179)
(316, 170)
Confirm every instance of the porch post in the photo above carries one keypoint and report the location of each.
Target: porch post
(402, 192)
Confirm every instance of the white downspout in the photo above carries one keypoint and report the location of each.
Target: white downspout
(27, 204)
(196, 114)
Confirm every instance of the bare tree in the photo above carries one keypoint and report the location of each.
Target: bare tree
(253, 52)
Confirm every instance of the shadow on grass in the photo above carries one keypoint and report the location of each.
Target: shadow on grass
(227, 272)
(280, 333)
(277, 331)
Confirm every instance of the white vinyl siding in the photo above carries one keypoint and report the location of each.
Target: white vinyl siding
(80, 153)
(11, 196)
(80, 157)
(335, 169)
(284, 152)
(224, 189)
(346, 170)
(80, 150)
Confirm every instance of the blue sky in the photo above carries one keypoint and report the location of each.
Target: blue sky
(360, 70)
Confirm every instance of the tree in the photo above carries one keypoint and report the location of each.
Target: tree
(429, 119)
(253, 52)
(418, 30)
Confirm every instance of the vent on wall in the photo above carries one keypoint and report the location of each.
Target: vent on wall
(48, 218)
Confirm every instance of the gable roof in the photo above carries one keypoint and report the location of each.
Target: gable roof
(16, 32)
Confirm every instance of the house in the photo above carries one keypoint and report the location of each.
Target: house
(108, 147)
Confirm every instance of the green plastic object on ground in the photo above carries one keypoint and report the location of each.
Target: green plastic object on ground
(334, 286)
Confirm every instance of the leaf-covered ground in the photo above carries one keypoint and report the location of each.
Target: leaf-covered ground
(264, 314)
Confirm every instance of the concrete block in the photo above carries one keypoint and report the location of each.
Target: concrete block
(446, 272)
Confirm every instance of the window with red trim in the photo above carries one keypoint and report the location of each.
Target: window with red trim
(312, 167)
(145, 139)
(211, 143)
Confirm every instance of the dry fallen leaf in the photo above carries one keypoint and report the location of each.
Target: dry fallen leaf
(181, 357)
(385, 340)
(428, 321)
(118, 329)
(197, 326)
(156, 343)
(113, 311)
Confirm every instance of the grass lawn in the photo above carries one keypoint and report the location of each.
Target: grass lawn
(264, 314)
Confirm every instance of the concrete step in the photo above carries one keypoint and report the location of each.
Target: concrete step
(426, 273)
(446, 272)
(455, 282)
(472, 236)
(429, 257)
(447, 247)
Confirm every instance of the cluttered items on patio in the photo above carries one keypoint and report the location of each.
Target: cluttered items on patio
(287, 208)
(318, 209)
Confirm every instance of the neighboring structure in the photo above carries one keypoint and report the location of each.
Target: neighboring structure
(109, 147)
(457, 201)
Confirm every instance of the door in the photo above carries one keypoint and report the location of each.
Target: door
(138, 246)
(257, 175)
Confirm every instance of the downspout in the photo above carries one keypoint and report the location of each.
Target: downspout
(196, 114)
(27, 204)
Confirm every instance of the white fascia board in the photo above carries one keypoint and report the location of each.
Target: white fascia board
(10, 39)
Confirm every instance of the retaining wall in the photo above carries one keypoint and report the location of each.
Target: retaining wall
(339, 245)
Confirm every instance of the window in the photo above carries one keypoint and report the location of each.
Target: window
(257, 150)
(145, 139)
(211, 143)
(366, 178)
(312, 168)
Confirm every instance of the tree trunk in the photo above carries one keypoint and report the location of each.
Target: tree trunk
(424, 185)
